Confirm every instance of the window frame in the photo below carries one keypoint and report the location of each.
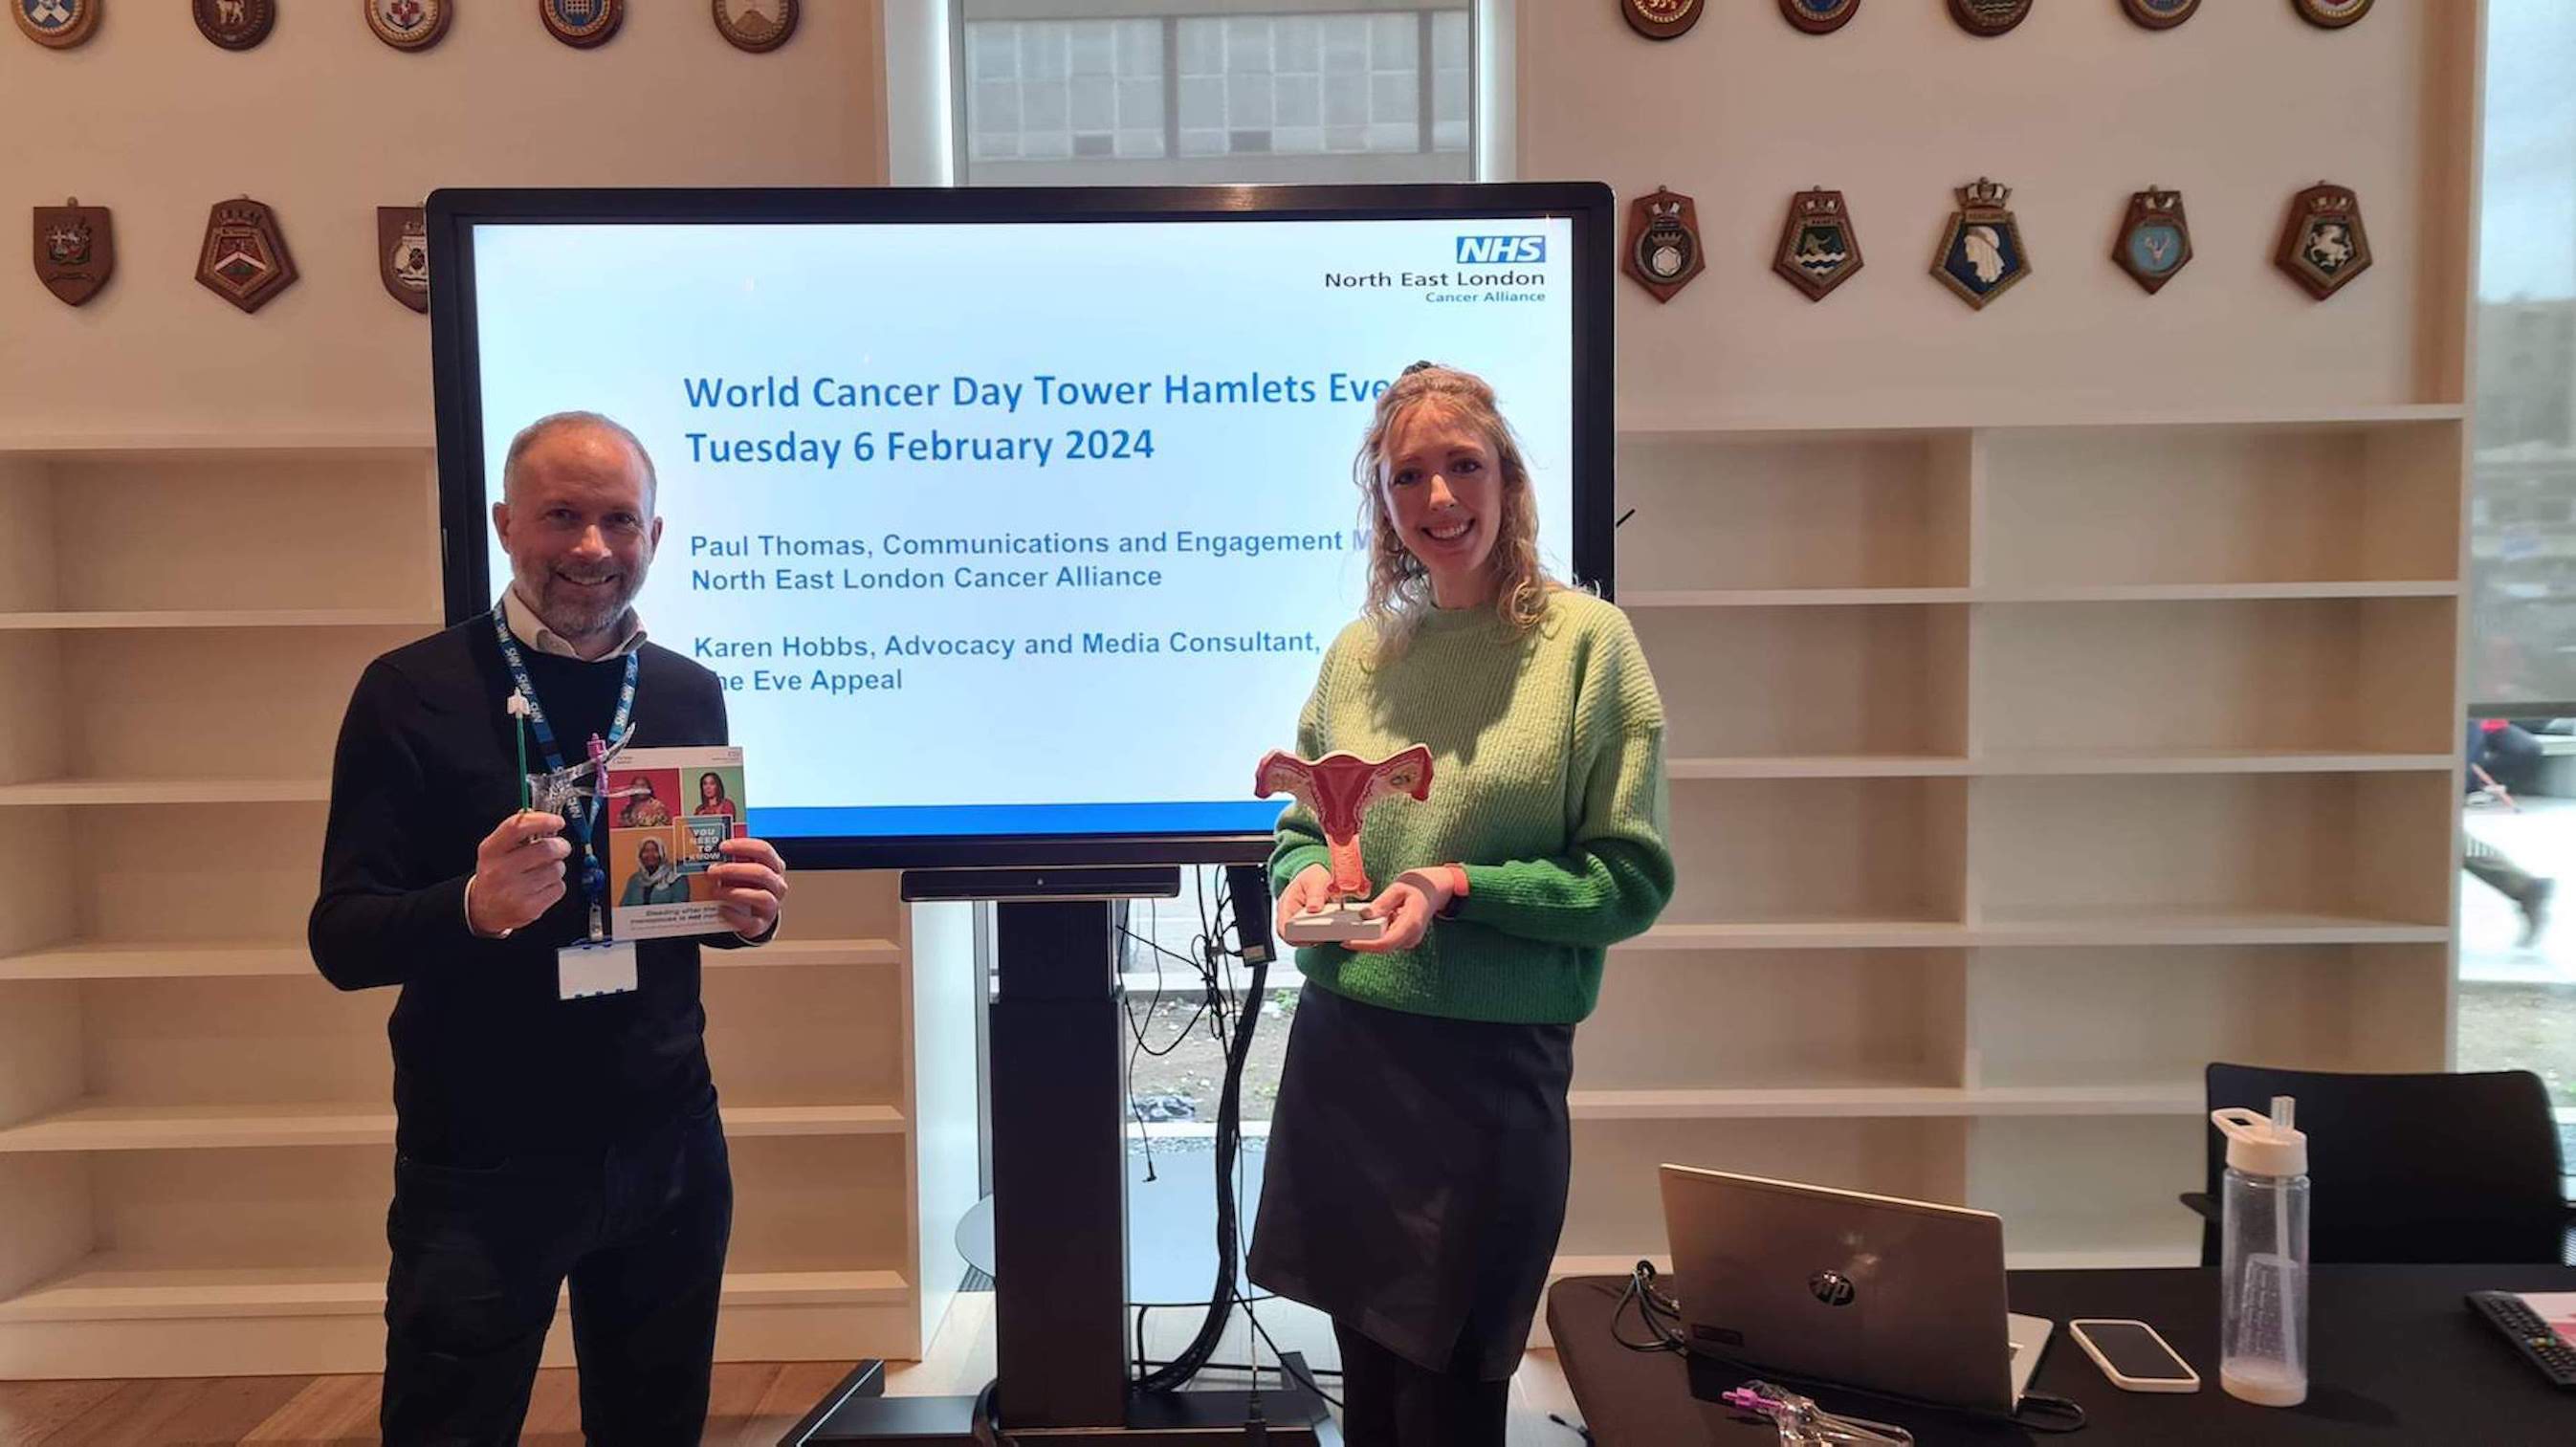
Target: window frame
(1338, 168)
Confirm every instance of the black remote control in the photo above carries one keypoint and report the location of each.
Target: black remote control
(2530, 1335)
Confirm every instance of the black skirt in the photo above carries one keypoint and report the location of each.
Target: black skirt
(1416, 1177)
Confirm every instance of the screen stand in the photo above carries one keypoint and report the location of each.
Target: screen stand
(1060, 1225)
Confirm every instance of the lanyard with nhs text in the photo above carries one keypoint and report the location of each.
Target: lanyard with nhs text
(584, 825)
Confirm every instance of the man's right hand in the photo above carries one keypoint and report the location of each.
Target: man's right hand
(1311, 890)
(518, 873)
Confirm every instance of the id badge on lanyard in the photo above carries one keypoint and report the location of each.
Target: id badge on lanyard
(597, 965)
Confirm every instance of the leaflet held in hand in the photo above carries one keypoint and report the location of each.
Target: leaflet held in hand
(669, 811)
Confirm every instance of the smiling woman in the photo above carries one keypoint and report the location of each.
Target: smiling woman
(1445, 498)
(1427, 1069)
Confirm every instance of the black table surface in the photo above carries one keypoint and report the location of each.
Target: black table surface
(2399, 1357)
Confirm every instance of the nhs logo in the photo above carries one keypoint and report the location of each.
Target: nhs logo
(1501, 250)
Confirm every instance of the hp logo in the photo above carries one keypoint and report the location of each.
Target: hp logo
(1832, 1288)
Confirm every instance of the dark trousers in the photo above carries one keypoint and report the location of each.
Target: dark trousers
(1389, 1402)
(479, 1255)
(2496, 869)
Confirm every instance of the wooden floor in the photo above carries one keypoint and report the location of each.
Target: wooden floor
(753, 1404)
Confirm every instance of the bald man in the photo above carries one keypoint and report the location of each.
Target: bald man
(540, 1138)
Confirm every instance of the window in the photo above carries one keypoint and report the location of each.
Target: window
(1055, 90)
(2523, 518)
(2517, 948)
(1114, 92)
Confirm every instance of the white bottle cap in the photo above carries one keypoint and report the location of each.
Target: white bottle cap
(2262, 1145)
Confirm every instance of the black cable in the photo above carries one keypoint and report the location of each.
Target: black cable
(1235, 1185)
(1257, 1367)
(1305, 1375)
(980, 1427)
(1158, 952)
(1127, 1009)
(1162, 951)
(1202, 1346)
(1637, 1289)
(2067, 1412)
(1236, 1043)
(1177, 1036)
(2065, 1416)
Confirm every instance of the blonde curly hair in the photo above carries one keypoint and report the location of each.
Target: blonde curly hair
(1399, 587)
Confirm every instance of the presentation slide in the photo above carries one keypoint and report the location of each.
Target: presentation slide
(1021, 528)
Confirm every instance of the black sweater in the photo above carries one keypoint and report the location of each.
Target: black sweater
(488, 1063)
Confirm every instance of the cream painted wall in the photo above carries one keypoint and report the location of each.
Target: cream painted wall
(325, 123)
(2238, 108)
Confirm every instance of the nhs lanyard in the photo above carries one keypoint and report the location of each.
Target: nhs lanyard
(585, 825)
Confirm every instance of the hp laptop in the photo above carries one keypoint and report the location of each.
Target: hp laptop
(1886, 1295)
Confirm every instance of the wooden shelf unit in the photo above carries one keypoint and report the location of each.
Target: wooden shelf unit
(195, 1129)
(212, 1258)
(2129, 578)
(408, 619)
(2017, 773)
(1872, 510)
(84, 959)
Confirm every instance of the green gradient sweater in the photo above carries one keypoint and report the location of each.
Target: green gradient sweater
(1547, 783)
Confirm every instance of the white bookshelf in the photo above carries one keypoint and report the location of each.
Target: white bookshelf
(2181, 926)
(105, 792)
(405, 618)
(1872, 1102)
(109, 1287)
(98, 1125)
(2061, 696)
(195, 1128)
(82, 959)
(2018, 772)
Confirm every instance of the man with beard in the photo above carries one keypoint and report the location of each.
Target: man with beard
(546, 1131)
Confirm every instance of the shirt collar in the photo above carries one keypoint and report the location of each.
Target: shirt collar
(532, 632)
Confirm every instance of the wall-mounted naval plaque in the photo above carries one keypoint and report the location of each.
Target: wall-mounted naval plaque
(57, 24)
(582, 24)
(235, 24)
(1663, 251)
(2323, 243)
(402, 254)
(1819, 17)
(2160, 14)
(244, 260)
(1661, 19)
(1981, 254)
(409, 24)
(1819, 250)
(1989, 17)
(755, 25)
(75, 250)
(2331, 14)
(2155, 240)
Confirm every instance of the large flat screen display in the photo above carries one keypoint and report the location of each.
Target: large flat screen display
(1014, 522)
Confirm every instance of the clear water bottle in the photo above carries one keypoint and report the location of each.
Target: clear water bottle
(2263, 1257)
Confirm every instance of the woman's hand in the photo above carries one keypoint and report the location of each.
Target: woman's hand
(1311, 890)
(1408, 906)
